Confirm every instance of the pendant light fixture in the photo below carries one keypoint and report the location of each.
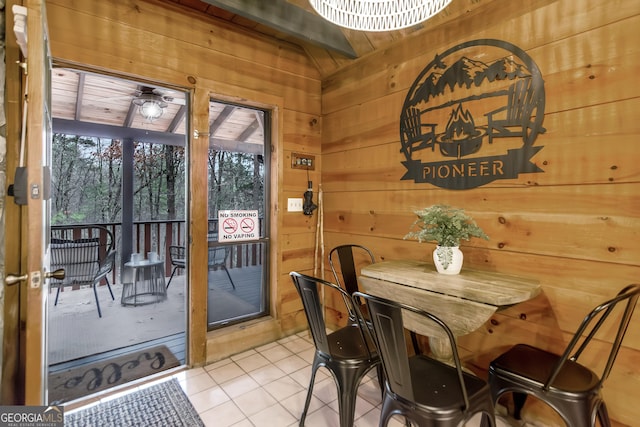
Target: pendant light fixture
(150, 105)
(377, 15)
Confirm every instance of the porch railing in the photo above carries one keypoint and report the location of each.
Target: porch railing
(158, 236)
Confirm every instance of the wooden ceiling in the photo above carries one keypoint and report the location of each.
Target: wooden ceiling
(104, 106)
(96, 105)
(296, 22)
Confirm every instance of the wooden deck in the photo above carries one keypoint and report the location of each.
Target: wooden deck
(77, 336)
(227, 303)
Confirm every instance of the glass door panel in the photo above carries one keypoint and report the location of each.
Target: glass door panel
(117, 189)
(238, 170)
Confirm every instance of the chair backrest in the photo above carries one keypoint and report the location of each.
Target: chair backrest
(385, 317)
(218, 256)
(623, 305)
(106, 266)
(345, 262)
(177, 255)
(80, 250)
(311, 290)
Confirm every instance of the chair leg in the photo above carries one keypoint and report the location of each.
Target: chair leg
(518, 403)
(171, 277)
(414, 341)
(603, 415)
(346, 408)
(229, 276)
(314, 368)
(95, 292)
(348, 381)
(57, 295)
(386, 413)
(486, 420)
(109, 287)
(381, 379)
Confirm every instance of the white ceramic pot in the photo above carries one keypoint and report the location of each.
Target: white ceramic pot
(448, 259)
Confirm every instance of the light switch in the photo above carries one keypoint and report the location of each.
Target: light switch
(294, 205)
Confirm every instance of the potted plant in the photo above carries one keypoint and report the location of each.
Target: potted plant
(446, 226)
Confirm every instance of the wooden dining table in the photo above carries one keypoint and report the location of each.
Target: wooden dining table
(463, 301)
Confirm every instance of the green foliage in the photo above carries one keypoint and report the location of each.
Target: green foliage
(77, 180)
(86, 185)
(236, 181)
(87, 181)
(445, 225)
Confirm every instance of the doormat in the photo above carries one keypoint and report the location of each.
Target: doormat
(159, 405)
(92, 378)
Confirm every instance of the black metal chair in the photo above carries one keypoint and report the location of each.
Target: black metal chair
(178, 259)
(345, 262)
(218, 256)
(573, 390)
(87, 255)
(103, 274)
(426, 391)
(348, 352)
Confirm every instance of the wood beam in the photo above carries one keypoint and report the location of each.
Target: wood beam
(249, 130)
(72, 127)
(79, 95)
(222, 117)
(177, 119)
(290, 19)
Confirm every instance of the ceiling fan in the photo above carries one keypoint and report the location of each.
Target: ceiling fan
(157, 94)
(151, 102)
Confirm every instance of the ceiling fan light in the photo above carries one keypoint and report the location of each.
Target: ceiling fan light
(150, 106)
(378, 15)
(151, 110)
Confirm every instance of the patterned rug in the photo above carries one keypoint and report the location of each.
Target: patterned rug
(160, 405)
(88, 379)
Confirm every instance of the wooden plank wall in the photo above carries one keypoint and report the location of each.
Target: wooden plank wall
(166, 44)
(575, 227)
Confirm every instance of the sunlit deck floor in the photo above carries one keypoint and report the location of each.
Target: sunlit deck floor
(77, 336)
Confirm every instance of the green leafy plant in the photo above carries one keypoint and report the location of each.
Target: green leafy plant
(445, 225)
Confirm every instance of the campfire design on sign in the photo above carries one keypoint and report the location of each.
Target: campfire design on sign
(460, 107)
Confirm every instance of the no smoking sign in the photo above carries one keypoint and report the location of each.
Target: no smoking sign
(238, 225)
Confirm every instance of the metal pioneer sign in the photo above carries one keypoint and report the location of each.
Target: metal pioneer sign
(466, 122)
(238, 225)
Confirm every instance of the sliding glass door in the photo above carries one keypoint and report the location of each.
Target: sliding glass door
(238, 196)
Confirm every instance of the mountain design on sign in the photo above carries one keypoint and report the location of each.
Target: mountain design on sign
(466, 72)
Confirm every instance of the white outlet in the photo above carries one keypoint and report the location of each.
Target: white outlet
(294, 205)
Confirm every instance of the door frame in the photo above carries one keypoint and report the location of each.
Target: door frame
(201, 345)
(264, 239)
(127, 234)
(34, 215)
(12, 335)
(209, 346)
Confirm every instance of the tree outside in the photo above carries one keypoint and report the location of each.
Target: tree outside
(87, 181)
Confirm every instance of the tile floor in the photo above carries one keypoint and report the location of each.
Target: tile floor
(267, 386)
